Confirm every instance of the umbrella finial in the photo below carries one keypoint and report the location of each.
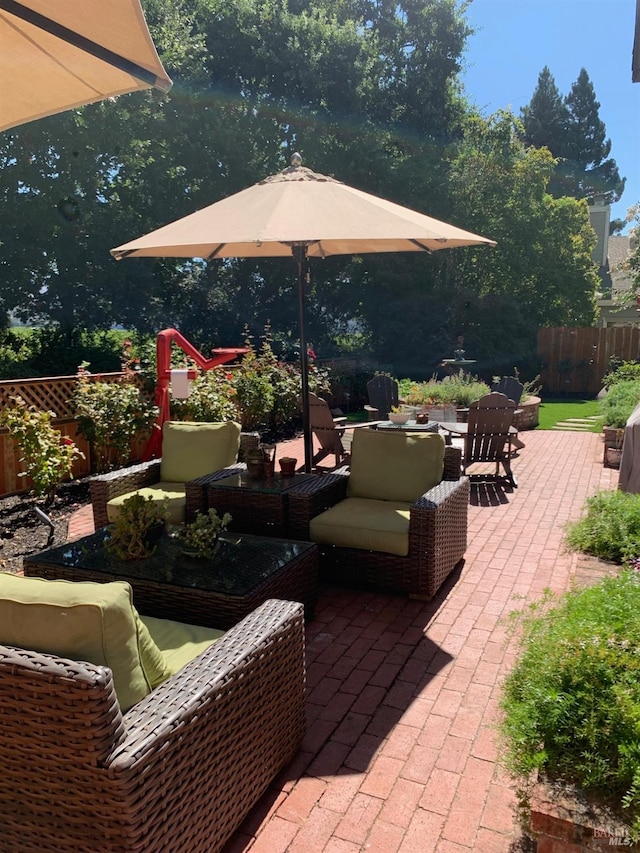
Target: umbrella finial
(296, 159)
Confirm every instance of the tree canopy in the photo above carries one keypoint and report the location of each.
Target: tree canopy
(571, 128)
(369, 91)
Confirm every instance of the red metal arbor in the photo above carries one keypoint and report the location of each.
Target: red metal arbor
(164, 340)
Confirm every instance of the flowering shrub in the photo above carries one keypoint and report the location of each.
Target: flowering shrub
(111, 414)
(201, 535)
(212, 398)
(47, 455)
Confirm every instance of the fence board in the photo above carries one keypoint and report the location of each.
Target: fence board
(575, 360)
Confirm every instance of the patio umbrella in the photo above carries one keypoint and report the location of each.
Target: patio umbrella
(301, 213)
(60, 54)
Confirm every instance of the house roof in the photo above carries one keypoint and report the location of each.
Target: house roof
(618, 252)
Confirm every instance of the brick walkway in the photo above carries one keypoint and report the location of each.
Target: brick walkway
(402, 695)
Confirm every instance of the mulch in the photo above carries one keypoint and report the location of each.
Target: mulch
(24, 530)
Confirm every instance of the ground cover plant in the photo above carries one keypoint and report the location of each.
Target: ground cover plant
(619, 402)
(571, 703)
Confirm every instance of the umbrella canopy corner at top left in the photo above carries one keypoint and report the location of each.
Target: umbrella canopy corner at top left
(58, 55)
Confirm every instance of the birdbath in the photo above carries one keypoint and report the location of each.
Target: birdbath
(458, 359)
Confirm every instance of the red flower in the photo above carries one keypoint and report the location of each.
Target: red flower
(229, 377)
(311, 353)
(67, 440)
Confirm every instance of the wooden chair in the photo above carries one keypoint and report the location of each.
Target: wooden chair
(511, 387)
(329, 431)
(488, 437)
(383, 396)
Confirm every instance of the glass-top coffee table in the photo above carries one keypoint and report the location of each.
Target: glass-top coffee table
(169, 584)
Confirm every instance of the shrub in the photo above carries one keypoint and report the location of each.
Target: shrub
(610, 529)
(110, 415)
(627, 370)
(571, 704)
(211, 398)
(459, 389)
(619, 402)
(48, 456)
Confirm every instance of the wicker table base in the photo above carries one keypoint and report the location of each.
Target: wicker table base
(216, 593)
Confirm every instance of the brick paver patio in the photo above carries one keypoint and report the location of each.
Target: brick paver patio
(403, 695)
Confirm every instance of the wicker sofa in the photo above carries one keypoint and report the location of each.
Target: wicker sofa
(177, 772)
(437, 525)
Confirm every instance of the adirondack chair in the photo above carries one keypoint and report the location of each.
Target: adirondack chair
(383, 395)
(510, 387)
(329, 431)
(489, 435)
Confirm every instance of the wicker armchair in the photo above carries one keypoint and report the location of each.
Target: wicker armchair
(437, 535)
(105, 487)
(178, 772)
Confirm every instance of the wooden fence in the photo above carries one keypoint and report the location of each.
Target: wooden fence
(50, 394)
(575, 360)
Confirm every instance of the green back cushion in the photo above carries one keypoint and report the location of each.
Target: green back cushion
(191, 450)
(94, 622)
(394, 465)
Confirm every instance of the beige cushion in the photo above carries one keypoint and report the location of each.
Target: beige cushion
(394, 465)
(191, 450)
(178, 642)
(94, 622)
(173, 492)
(365, 524)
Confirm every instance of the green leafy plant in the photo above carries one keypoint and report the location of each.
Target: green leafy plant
(610, 527)
(111, 414)
(131, 535)
(459, 389)
(622, 372)
(48, 457)
(201, 535)
(571, 703)
(212, 398)
(619, 402)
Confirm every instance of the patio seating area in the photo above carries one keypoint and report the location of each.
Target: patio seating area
(402, 695)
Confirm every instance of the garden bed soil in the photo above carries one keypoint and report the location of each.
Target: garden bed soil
(23, 531)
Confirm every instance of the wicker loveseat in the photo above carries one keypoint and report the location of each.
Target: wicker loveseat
(190, 451)
(177, 772)
(396, 522)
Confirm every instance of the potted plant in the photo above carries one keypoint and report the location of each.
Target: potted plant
(570, 708)
(201, 537)
(137, 529)
(397, 416)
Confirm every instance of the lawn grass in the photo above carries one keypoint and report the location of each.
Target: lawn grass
(553, 412)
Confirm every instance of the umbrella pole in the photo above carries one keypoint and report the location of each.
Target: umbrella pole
(300, 255)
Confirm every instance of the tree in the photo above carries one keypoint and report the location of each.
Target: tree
(574, 133)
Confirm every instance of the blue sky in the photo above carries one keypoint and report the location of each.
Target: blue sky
(515, 39)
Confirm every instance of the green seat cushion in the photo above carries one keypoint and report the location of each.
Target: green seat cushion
(94, 622)
(394, 465)
(191, 450)
(178, 642)
(154, 663)
(173, 492)
(365, 524)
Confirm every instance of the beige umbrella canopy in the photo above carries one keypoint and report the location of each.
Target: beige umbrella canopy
(60, 54)
(303, 214)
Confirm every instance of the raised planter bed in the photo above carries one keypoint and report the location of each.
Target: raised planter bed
(528, 414)
(564, 820)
